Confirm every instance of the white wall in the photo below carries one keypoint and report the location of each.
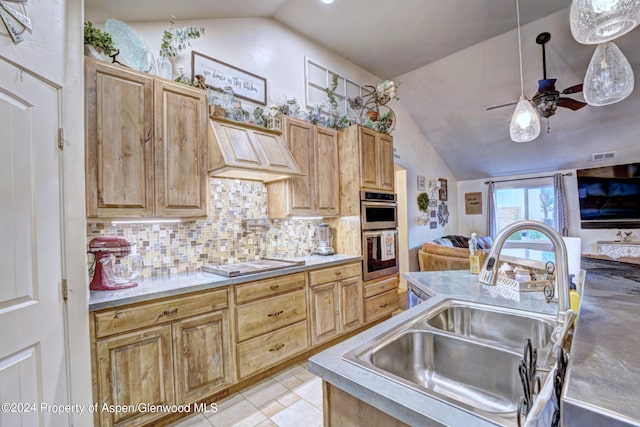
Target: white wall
(271, 50)
(477, 223)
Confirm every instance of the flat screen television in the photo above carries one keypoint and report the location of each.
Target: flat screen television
(610, 196)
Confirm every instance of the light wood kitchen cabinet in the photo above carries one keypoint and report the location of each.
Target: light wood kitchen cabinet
(315, 150)
(134, 368)
(173, 351)
(335, 301)
(181, 173)
(145, 145)
(380, 297)
(202, 359)
(373, 153)
(272, 328)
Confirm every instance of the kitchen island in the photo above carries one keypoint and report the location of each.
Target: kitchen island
(603, 371)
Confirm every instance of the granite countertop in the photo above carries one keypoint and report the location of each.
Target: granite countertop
(155, 288)
(601, 387)
(401, 402)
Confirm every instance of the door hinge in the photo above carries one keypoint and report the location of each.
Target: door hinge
(60, 138)
(65, 289)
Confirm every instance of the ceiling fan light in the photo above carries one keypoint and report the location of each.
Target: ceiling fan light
(598, 21)
(525, 123)
(609, 77)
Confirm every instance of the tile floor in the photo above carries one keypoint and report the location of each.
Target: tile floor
(290, 398)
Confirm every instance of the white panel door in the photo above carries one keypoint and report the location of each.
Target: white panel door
(33, 376)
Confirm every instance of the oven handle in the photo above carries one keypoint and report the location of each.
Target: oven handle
(378, 232)
(385, 204)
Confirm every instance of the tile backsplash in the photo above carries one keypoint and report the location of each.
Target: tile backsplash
(174, 248)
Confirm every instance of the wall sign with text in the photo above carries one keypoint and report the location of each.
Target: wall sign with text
(473, 203)
(218, 75)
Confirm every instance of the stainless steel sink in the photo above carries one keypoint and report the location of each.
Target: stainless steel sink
(469, 372)
(463, 353)
(505, 327)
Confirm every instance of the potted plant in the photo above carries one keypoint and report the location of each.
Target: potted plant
(174, 41)
(98, 43)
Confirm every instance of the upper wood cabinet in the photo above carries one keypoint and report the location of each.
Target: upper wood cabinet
(376, 160)
(366, 163)
(315, 150)
(145, 145)
(244, 151)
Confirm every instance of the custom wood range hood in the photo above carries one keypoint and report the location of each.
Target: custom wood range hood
(244, 151)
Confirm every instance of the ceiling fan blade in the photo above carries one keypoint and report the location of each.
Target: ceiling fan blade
(573, 89)
(571, 104)
(500, 106)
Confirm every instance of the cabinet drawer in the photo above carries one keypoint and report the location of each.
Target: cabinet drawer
(380, 305)
(266, 288)
(379, 286)
(334, 273)
(124, 319)
(264, 316)
(270, 349)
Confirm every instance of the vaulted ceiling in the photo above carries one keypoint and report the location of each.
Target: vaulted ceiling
(454, 59)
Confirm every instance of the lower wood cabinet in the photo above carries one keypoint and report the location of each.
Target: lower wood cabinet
(134, 368)
(160, 353)
(380, 297)
(183, 349)
(201, 356)
(335, 306)
(273, 328)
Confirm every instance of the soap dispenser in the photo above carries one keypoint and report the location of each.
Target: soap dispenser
(574, 297)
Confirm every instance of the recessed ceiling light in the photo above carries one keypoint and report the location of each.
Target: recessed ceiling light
(327, 1)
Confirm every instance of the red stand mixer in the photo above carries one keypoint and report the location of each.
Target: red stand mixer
(107, 275)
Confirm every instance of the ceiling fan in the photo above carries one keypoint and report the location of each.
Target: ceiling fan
(547, 99)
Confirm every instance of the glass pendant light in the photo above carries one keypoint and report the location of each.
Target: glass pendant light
(609, 77)
(598, 21)
(525, 123)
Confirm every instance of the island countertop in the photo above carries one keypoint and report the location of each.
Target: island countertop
(150, 289)
(401, 402)
(601, 387)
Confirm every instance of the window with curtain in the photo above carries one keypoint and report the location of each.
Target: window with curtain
(519, 202)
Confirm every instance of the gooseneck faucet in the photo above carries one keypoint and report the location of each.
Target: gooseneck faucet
(489, 273)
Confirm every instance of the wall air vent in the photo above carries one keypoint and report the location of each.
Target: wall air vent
(602, 156)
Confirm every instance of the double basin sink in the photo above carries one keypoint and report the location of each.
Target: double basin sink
(463, 353)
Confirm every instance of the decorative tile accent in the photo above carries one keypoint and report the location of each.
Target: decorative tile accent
(169, 249)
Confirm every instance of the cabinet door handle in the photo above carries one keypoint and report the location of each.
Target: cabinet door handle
(168, 312)
(274, 287)
(148, 137)
(276, 314)
(277, 348)
(384, 305)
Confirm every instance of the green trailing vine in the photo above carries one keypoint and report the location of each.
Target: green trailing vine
(331, 91)
(175, 40)
(99, 39)
(423, 202)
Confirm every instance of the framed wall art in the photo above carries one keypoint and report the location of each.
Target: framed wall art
(442, 191)
(217, 75)
(422, 183)
(473, 203)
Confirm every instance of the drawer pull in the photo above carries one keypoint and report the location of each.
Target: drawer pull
(338, 273)
(168, 312)
(384, 305)
(274, 287)
(277, 348)
(276, 314)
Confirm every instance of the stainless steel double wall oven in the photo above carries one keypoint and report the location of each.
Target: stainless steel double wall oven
(379, 219)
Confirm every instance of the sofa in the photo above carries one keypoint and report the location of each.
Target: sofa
(448, 253)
